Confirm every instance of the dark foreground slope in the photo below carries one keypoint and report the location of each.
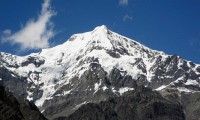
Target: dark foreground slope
(13, 109)
(140, 104)
(191, 103)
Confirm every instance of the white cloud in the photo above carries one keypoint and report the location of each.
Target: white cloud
(123, 2)
(127, 17)
(36, 33)
(7, 32)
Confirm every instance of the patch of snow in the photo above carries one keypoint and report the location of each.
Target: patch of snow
(191, 82)
(180, 62)
(42, 111)
(124, 89)
(48, 91)
(169, 76)
(161, 87)
(104, 88)
(30, 96)
(79, 105)
(113, 90)
(188, 63)
(96, 86)
(178, 80)
(183, 89)
(67, 92)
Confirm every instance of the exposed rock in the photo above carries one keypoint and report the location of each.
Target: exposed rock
(141, 104)
(191, 103)
(13, 109)
(15, 83)
(33, 60)
(93, 86)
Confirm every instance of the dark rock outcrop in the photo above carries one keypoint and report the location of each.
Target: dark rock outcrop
(14, 82)
(93, 86)
(13, 109)
(141, 104)
(191, 103)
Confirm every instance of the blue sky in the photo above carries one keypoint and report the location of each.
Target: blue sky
(172, 26)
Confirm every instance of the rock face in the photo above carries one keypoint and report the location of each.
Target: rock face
(141, 104)
(191, 103)
(93, 86)
(91, 67)
(13, 109)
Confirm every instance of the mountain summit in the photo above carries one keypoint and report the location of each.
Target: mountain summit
(91, 67)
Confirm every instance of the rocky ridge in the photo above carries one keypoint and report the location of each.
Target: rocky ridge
(140, 104)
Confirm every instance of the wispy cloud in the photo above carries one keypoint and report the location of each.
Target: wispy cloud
(127, 17)
(36, 33)
(194, 42)
(7, 32)
(123, 2)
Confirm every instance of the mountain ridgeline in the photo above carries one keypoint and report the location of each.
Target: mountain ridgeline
(107, 75)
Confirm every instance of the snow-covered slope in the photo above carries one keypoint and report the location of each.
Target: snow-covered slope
(54, 72)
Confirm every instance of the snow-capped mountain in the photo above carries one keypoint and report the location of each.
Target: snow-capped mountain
(90, 67)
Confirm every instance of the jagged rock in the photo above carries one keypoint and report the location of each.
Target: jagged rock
(17, 84)
(191, 103)
(13, 109)
(93, 86)
(33, 60)
(141, 104)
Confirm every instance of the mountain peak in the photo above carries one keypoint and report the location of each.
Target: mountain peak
(102, 27)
